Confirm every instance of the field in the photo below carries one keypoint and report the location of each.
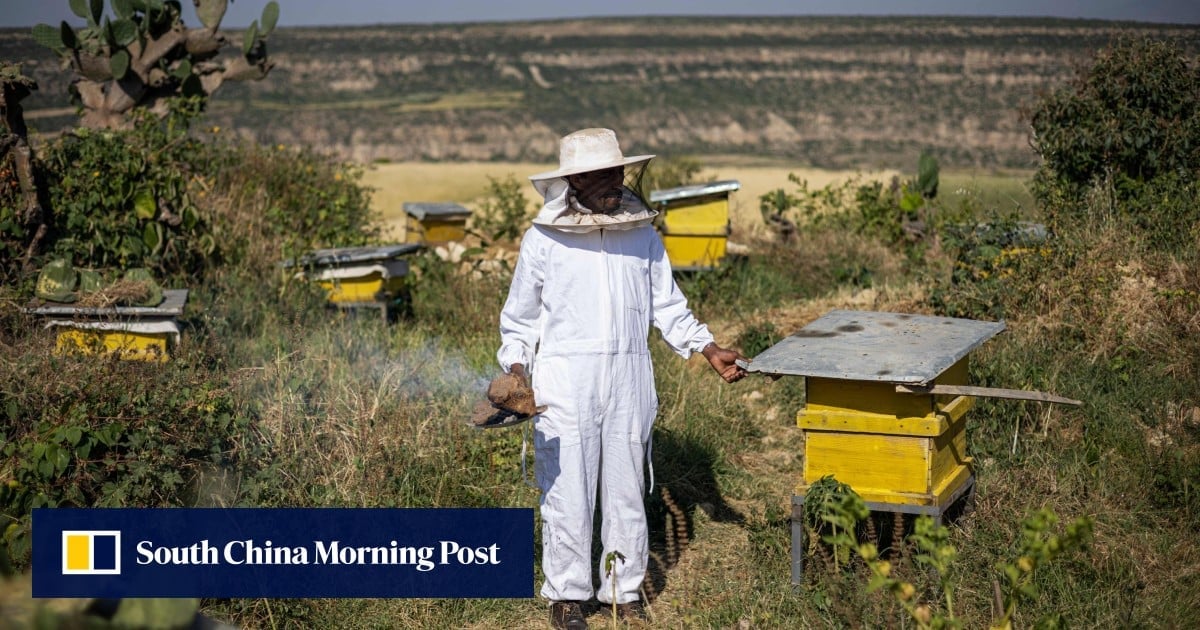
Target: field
(393, 184)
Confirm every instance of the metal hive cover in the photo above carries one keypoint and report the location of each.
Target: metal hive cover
(422, 209)
(694, 190)
(874, 346)
(172, 305)
(346, 255)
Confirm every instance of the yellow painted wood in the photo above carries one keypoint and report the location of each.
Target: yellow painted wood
(125, 345)
(934, 423)
(694, 251)
(894, 448)
(436, 231)
(948, 452)
(868, 461)
(702, 216)
(363, 288)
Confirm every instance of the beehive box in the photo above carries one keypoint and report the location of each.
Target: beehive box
(901, 452)
(435, 223)
(355, 277)
(695, 223)
(139, 333)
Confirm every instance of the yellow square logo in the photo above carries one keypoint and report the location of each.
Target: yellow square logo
(91, 552)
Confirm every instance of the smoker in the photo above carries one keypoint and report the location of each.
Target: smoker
(886, 400)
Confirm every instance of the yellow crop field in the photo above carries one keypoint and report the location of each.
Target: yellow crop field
(466, 183)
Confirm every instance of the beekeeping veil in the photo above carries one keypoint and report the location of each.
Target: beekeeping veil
(581, 152)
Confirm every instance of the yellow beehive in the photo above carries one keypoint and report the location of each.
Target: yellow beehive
(435, 223)
(870, 418)
(695, 223)
(359, 277)
(139, 333)
(892, 448)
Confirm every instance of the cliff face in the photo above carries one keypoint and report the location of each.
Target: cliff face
(836, 92)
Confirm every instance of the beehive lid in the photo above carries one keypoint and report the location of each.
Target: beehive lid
(694, 190)
(353, 255)
(171, 306)
(422, 210)
(872, 346)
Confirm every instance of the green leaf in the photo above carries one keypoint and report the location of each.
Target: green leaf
(62, 459)
(80, 8)
(211, 12)
(183, 70)
(123, 8)
(119, 64)
(124, 32)
(68, 36)
(191, 86)
(48, 36)
(144, 205)
(190, 217)
(208, 245)
(270, 16)
(153, 236)
(97, 10)
(249, 37)
(73, 434)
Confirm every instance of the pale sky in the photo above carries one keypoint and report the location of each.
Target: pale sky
(25, 13)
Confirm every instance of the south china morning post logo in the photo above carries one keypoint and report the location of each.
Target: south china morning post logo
(333, 552)
(91, 552)
(283, 552)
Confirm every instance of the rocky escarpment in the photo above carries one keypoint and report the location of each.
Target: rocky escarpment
(842, 92)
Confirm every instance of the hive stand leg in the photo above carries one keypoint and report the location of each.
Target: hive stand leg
(797, 540)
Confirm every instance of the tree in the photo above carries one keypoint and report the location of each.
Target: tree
(22, 222)
(146, 55)
(1133, 115)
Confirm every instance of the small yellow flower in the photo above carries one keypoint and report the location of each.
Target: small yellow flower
(279, 147)
(216, 129)
(95, 173)
(337, 177)
(1025, 563)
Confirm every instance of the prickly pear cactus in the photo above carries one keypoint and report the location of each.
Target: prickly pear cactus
(142, 55)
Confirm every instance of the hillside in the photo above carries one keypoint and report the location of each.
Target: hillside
(829, 92)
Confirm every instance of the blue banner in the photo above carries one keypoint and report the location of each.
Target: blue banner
(260, 552)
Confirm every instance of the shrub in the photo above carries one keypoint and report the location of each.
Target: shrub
(1131, 117)
(124, 199)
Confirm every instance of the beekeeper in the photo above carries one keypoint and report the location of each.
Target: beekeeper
(591, 277)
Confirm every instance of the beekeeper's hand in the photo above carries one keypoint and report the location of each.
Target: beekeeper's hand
(724, 362)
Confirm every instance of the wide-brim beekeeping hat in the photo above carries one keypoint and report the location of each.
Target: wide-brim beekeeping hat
(586, 150)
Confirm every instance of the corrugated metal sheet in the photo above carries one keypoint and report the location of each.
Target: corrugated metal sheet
(694, 190)
(875, 346)
(421, 210)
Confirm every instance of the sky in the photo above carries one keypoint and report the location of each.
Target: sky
(25, 13)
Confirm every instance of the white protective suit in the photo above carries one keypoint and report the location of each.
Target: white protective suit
(578, 314)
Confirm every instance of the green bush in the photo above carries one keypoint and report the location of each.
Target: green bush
(504, 214)
(121, 199)
(1130, 118)
(114, 433)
